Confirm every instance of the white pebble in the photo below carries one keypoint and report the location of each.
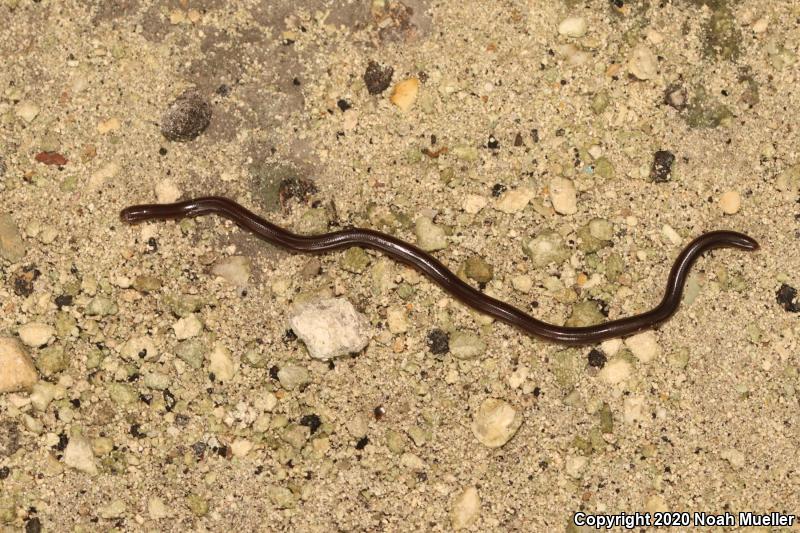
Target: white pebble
(633, 409)
(760, 26)
(241, 447)
(466, 508)
(515, 200)
(611, 347)
(644, 346)
(234, 269)
(27, 111)
(18, 372)
(330, 328)
(78, 455)
(167, 192)
(671, 235)
(221, 364)
(495, 423)
(575, 465)
(397, 319)
(35, 334)
(187, 327)
(523, 283)
(643, 63)
(730, 202)
(615, 371)
(563, 196)
(573, 27)
(473, 203)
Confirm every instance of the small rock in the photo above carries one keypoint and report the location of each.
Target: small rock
(192, 352)
(478, 269)
(42, 393)
(655, 504)
(101, 306)
(12, 248)
(330, 328)
(281, 497)
(466, 345)
(293, 377)
(405, 93)
(563, 196)
(615, 371)
(241, 447)
(575, 465)
(585, 313)
(156, 380)
(35, 334)
(106, 126)
(51, 361)
(141, 347)
(438, 341)
(730, 202)
(573, 27)
(671, 235)
(597, 359)
(548, 247)
(430, 237)
(27, 111)
(466, 509)
(355, 260)
(633, 409)
(661, 170)
(187, 327)
(473, 203)
(221, 364)
(156, 508)
(495, 423)
(186, 117)
(78, 455)
(397, 319)
(515, 200)
(736, 458)
(522, 283)
(644, 346)
(115, 509)
(167, 192)
(676, 97)
(377, 78)
(234, 269)
(787, 298)
(643, 63)
(17, 372)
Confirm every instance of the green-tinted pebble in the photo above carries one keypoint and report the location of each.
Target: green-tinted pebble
(355, 260)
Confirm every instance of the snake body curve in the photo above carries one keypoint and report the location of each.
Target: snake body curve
(441, 275)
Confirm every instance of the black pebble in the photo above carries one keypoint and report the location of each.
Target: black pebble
(186, 117)
(289, 336)
(312, 421)
(273, 372)
(438, 341)
(4, 472)
(223, 90)
(661, 171)
(377, 78)
(597, 358)
(498, 189)
(493, 143)
(343, 104)
(362, 442)
(787, 297)
(675, 97)
(33, 525)
(518, 139)
(65, 300)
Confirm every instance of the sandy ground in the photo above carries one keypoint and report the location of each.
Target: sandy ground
(706, 419)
